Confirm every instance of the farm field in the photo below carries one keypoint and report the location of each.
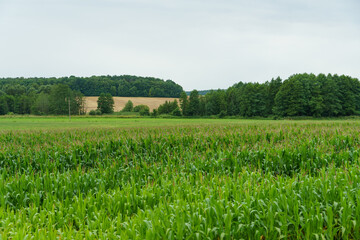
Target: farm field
(88, 123)
(120, 102)
(99, 178)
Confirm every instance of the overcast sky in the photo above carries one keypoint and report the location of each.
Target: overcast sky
(200, 44)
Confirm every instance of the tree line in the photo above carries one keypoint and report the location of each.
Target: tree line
(299, 95)
(122, 86)
(58, 99)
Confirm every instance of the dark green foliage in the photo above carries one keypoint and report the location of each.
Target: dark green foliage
(154, 113)
(168, 107)
(194, 103)
(92, 112)
(299, 95)
(184, 103)
(141, 107)
(3, 106)
(272, 88)
(106, 103)
(310, 95)
(215, 102)
(124, 86)
(41, 105)
(176, 112)
(95, 112)
(61, 96)
(144, 112)
(128, 107)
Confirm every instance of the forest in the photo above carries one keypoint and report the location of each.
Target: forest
(299, 95)
(122, 86)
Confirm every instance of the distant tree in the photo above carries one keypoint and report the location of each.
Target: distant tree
(176, 112)
(23, 103)
(273, 88)
(10, 99)
(154, 112)
(105, 103)
(291, 100)
(168, 107)
(61, 96)
(202, 106)
(331, 99)
(316, 102)
(113, 91)
(3, 106)
(92, 112)
(144, 112)
(215, 102)
(141, 107)
(59, 99)
(41, 105)
(184, 103)
(194, 103)
(128, 107)
(124, 85)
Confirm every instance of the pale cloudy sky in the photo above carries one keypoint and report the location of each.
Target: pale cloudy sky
(200, 44)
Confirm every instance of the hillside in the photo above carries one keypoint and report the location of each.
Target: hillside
(91, 102)
(121, 86)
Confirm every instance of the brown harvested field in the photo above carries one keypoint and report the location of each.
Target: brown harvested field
(91, 102)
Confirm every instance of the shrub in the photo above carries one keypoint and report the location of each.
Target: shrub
(176, 112)
(128, 107)
(140, 107)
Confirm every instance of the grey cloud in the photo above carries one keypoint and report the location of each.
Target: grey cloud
(199, 44)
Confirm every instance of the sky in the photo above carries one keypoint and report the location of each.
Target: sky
(199, 44)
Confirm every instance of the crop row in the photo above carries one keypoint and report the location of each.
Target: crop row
(245, 181)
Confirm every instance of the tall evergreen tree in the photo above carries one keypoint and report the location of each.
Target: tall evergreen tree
(273, 88)
(194, 103)
(184, 103)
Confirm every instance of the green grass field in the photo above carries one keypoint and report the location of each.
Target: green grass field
(111, 178)
(63, 123)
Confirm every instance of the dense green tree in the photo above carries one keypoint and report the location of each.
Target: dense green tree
(41, 105)
(215, 102)
(184, 103)
(330, 92)
(202, 106)
(23, 103)
(291, 100)
(124, 85)
(128, 107)
(316, 102)
(168, 107)
(59, 99)
(10, 99)
(3, 106)
(144, 111)
(194, 103)
(141, 107)
(273, 88)
(106, 103)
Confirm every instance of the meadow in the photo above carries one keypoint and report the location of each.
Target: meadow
(99, 178)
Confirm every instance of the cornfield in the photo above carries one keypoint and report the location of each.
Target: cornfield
(276, 180)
